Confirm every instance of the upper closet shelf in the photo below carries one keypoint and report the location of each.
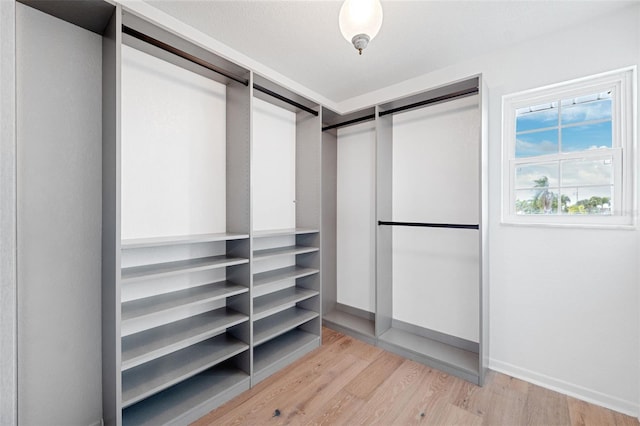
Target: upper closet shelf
(281, 232)
(282, 251)
(137, 273)
(282, 274)
(179, 240)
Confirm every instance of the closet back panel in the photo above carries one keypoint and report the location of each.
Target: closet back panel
(59, 137)
(435, 179)
(173, 149)
(356, 217)
(274, 167)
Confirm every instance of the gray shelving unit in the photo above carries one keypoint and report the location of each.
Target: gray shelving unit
(177, 309)
(175, 336)
(286, 298)
(342, 318)
(468, 360)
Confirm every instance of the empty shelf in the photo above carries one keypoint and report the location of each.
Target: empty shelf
(272, 352)
(143, 314)
(275, 325)
(152, 377)
(179, 240)
(200, 393)
(282, 251)
(432, 350)
(281, 232)
(272, 303)
(277, 275)
(136, 273)
(151, 344)
(344, 320)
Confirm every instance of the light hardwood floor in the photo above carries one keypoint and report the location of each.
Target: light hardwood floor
(348, 382)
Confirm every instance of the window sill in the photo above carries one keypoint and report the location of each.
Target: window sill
(601, 226)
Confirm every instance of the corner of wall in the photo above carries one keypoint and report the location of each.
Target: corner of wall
(8, 285)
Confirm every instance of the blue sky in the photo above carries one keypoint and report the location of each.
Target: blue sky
(575, 137)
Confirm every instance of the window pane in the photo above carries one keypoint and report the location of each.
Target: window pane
(593, 200)
(537, 143)
(595, 110)
(537, 175)
(591, 136)
(537, 201)
(537, 117)
(587, 172)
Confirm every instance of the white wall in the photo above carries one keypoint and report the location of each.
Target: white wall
(356, 217)
(173, 149)
(8, 275)
(563, 302)
(436, 163)
(273, 171)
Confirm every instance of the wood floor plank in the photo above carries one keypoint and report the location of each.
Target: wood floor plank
(337, 410)
(447, 414)
(348, 382)
(277, 403)
(367, 382)
(545, 407)
(624, 420)
(499, 402)
(584, 414)
(389, 399)
(315, 395)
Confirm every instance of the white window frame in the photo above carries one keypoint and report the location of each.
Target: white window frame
(622, 84)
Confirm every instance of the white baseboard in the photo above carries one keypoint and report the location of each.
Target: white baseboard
(594, 397)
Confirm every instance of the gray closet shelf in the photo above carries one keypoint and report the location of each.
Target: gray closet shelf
(272, 303)
(137, 273)
(441, 355)
(277, 275)
(152, 377)
(350, 324)
(211, 387)
(159, 341)
(272, 355)
(277, 324)
(282, 251)
(149, 312)
(180, 240)
(283, 232)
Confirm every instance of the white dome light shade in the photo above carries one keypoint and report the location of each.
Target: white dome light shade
(360, 21)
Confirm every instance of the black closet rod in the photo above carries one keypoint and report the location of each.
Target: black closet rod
(346, 123)
(168, 48)
(430, 225)
(283, 99)
(449, 97)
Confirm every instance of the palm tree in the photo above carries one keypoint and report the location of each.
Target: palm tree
(543, 199)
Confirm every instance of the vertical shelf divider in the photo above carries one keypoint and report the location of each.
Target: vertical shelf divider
(111, 110)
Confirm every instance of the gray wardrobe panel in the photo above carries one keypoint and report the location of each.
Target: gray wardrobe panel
(308, 170)
(239, 102)
(384, 197)
(8, 285)
(59, 140)
(111, 343)
(329, 205)
(484, 232)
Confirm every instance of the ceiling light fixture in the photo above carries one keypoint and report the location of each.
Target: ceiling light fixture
(360, 21)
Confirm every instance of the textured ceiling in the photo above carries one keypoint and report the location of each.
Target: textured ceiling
(301, 39)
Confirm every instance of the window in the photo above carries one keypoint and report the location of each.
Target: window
(568, 153)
